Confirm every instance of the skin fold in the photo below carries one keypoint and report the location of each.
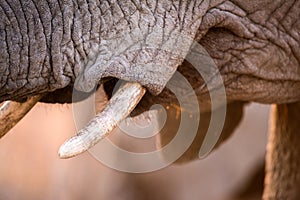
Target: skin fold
(46, 47)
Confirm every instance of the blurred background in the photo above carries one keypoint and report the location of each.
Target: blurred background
(31, 170)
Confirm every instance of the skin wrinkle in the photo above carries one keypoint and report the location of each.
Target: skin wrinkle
(275, 29)
(73, 43)
(286, 74)
(4, 53)
(13, 18)
(85, 26)
(7, 52)
(29, 42)
(118, 68)
(241, 88)
(41, 40)
(57, 55)
(249, 93)
(49, 63)
(39, 46)
(67, 69)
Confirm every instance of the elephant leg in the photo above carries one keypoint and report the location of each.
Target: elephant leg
(282, 179)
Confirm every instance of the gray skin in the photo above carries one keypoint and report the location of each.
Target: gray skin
(46, 45)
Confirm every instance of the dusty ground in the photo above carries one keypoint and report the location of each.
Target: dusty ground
(31, 169)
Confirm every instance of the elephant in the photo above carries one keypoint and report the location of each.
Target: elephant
(47, 47)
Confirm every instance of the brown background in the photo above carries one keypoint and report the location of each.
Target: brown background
(30, 168)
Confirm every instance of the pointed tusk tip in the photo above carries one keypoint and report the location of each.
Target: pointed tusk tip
(71, 148)
(62, 153)
(65, 152)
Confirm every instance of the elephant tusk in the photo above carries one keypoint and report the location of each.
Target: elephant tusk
(117, 109)
(12, 112)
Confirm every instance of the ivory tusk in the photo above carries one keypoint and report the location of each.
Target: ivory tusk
(12, 112)
(117, 109)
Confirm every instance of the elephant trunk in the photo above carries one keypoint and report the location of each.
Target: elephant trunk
(45, 46)
(283, 154)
